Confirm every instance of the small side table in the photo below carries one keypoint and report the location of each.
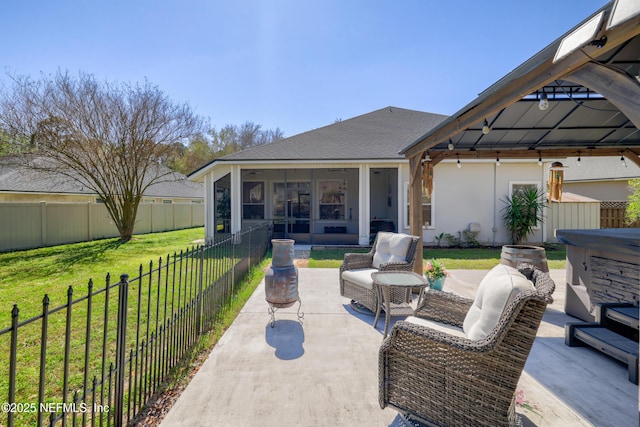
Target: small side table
(395, 283)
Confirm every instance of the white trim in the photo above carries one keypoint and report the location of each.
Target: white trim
(236, 199)
(364, 203)
(293, 164)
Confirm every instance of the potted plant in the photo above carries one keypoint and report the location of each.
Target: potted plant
(523, 212)
(436, 273)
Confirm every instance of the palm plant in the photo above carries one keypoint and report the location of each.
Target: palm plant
(523, 212)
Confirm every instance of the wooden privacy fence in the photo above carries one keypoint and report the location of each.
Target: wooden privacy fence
(101, 357)
(612, 215)
(35, 225)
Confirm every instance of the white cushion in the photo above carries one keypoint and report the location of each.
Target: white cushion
(360, 276)
(391, 247)
(497, 289)
(442, 327)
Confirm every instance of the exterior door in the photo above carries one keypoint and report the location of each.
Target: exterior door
(292, 209)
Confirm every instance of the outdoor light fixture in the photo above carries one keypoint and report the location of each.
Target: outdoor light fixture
(498, 158)
(458, 163)
(622, 161)
(450, 146)
(539, 160)
(579, 162)
(544, 101)
(485, 127)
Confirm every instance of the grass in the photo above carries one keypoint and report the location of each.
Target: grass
(28, 275)
(453, 258)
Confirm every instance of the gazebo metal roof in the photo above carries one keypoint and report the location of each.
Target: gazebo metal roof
(593, 93)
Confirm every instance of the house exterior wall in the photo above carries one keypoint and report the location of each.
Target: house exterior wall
(42, 197)
(606, 191)
(473, 193)
(7, 197)
(368, 194)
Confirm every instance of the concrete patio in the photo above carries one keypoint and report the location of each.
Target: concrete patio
(324, 372)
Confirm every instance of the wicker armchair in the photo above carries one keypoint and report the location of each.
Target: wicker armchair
(358, 286)
(442, 378)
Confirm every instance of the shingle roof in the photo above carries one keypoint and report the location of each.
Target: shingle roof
(380, 134)
(598, 169)
(15, 177)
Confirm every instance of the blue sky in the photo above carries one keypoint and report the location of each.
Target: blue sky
(296, 65)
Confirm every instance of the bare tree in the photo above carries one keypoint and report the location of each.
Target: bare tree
(110, 137)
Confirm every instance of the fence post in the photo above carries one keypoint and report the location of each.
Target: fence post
(121, 354)
(12, 360)
(200, 280)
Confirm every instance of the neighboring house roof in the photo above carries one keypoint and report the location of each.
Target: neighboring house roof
(599, 169)
(17, 178)
(380, 134)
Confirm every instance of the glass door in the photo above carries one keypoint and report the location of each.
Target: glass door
(292, 208)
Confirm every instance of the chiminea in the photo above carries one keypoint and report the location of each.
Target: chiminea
(281, 279)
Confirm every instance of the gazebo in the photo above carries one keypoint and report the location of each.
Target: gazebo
(578, 97)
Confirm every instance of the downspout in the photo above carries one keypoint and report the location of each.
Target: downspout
(546, 207)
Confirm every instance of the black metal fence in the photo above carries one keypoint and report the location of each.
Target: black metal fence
(99, 358)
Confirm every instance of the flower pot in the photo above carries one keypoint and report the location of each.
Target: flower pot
(437, 284)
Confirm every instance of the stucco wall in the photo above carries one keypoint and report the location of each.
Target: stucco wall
(473, 193)
(606, 191)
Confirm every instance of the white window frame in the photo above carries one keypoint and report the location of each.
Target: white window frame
(538, 184)
(262, 203)
(407, 225)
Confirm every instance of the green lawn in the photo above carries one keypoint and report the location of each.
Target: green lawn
(453, 259)
(26, 276)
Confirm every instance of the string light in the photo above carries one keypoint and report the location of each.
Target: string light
(450, 146)
(485, 127)
(544, 101)
(458, 162)
(498, 158)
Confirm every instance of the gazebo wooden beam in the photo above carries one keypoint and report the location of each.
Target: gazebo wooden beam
(439, 155)
(620, 89)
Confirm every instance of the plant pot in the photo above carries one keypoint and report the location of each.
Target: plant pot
(515, 255)
(437, 284)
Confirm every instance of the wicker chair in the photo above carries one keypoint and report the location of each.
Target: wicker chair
(364, 263)
(440, 378)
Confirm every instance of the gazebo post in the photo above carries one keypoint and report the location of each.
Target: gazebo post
(415, 205)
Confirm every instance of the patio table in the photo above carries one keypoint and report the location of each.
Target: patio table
(394, 286)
